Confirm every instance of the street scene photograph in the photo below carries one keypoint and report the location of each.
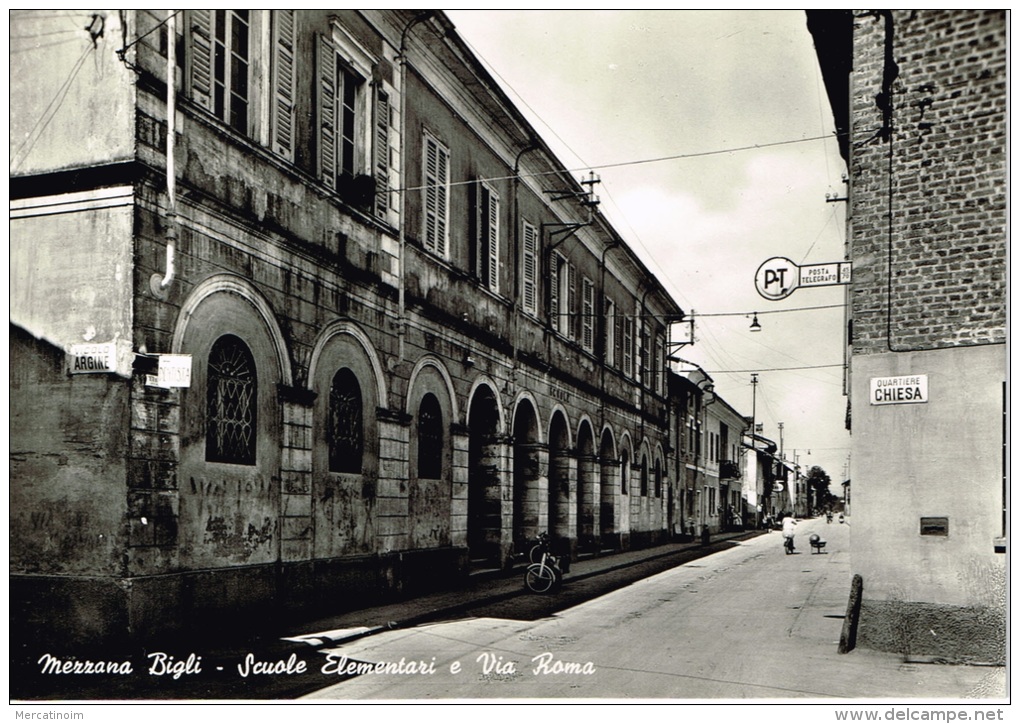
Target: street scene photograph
(464, 357)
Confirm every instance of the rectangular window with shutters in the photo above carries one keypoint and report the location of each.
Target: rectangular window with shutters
(219, 64)
(348, 85)
(556, 268)
(562, 295)
(225, 74)
(485, 231)
(529, 269)
(340, 109)
(587, 315)
(356, 137)
(435, 195)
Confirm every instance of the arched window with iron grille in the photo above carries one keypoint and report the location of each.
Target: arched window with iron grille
(232, 391)
(346, 431)
(644, 475)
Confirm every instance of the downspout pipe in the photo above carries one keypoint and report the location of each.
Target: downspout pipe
(602, 337)
(402, 223)
(646, 368)
(158, 284)
(516, 220)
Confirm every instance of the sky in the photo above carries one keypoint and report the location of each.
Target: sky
(714, 141)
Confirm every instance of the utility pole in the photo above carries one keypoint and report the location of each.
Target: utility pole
(754, 427)
(754, 400)
(780, 441)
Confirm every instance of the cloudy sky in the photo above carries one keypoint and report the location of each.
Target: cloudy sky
(714, 141)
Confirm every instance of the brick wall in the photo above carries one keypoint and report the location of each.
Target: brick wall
(928, 167)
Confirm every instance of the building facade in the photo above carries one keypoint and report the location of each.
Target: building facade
(920, 100)
(319, 322)
(764, 470)
(707, 459)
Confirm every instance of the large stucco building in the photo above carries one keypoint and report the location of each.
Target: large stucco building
(337, 327)
(920, 100)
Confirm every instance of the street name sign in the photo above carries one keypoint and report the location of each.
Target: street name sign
(904, 390)
(92, 358)
(778, 277)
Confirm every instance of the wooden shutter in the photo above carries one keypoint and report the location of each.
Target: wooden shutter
(492, 208)
(283, 83)
(326, 110)
(619, 341)
(436, 191)
(431, 193)
(442, 196)
(530, 272)
(200, 62)
(554, 291)
(588, 315)
(382, 152)
(570, 321)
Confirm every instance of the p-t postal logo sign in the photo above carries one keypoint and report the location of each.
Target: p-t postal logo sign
(778, 277)
(904, 390)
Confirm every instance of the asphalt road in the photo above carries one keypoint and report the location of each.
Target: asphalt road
(745, 623)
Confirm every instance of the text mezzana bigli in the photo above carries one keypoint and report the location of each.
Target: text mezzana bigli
(336, 664)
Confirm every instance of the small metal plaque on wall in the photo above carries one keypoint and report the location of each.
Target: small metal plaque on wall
(935, 526)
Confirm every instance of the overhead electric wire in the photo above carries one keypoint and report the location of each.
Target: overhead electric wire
(149, 32)
(695, 315)
(831, 218)
(638, 162)
(772, 369)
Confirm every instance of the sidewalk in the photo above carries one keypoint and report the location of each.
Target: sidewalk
(810, 644)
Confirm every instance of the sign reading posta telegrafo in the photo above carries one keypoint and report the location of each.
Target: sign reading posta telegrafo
(899, 390)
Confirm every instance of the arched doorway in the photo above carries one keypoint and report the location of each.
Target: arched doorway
(485, 514)
(530, 460)
(609, 474)
(559, 478)
(587, 489)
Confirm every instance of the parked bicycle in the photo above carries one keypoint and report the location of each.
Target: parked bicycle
(543, 575)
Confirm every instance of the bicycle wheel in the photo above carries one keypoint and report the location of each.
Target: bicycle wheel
(540, 578)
